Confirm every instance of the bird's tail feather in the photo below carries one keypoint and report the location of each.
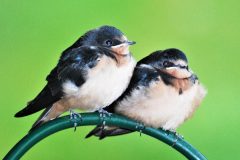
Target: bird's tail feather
(107, 131)
(43, 100)
(41, 119)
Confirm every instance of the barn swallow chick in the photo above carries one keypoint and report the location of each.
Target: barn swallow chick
(89, 76)
(163, 93)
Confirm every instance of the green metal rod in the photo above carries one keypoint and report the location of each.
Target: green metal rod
(93, 119)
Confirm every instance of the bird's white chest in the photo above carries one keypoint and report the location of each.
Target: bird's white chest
(104, 83)
(160, 105)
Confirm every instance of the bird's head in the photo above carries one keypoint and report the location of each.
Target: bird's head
(171, 61)
(108, 37)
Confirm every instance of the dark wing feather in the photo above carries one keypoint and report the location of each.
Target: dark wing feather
(42, 100)
(102, 133)
(73, 66)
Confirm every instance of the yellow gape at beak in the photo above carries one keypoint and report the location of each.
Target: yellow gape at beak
(178, 72)
(122, 49)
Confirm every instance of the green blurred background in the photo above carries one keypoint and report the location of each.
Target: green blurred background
(34, 33)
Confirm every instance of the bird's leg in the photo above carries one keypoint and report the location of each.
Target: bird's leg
(102, 114)
(74, 117)
(140, 128)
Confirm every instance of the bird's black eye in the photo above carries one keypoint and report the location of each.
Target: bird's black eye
(167, 64)
(184, 67)
(108, 42)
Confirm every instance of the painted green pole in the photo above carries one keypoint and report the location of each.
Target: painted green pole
(93, 119)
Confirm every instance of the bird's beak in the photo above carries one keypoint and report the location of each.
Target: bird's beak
(178, 72)
(124, 44)
(131, 42)
(122, 49)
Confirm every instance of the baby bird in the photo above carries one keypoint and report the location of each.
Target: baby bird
(90, 75)
(163, 93)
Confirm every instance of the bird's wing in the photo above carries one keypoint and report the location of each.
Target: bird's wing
(142, 77)
(73, 66)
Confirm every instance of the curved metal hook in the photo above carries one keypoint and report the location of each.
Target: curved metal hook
(65, 122)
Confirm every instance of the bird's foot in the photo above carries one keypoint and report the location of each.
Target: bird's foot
(177, 136)
(103, 114)
(74, 117)
(140, 127)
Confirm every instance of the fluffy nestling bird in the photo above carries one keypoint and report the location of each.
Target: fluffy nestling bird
(163, 93)
(90, 75)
